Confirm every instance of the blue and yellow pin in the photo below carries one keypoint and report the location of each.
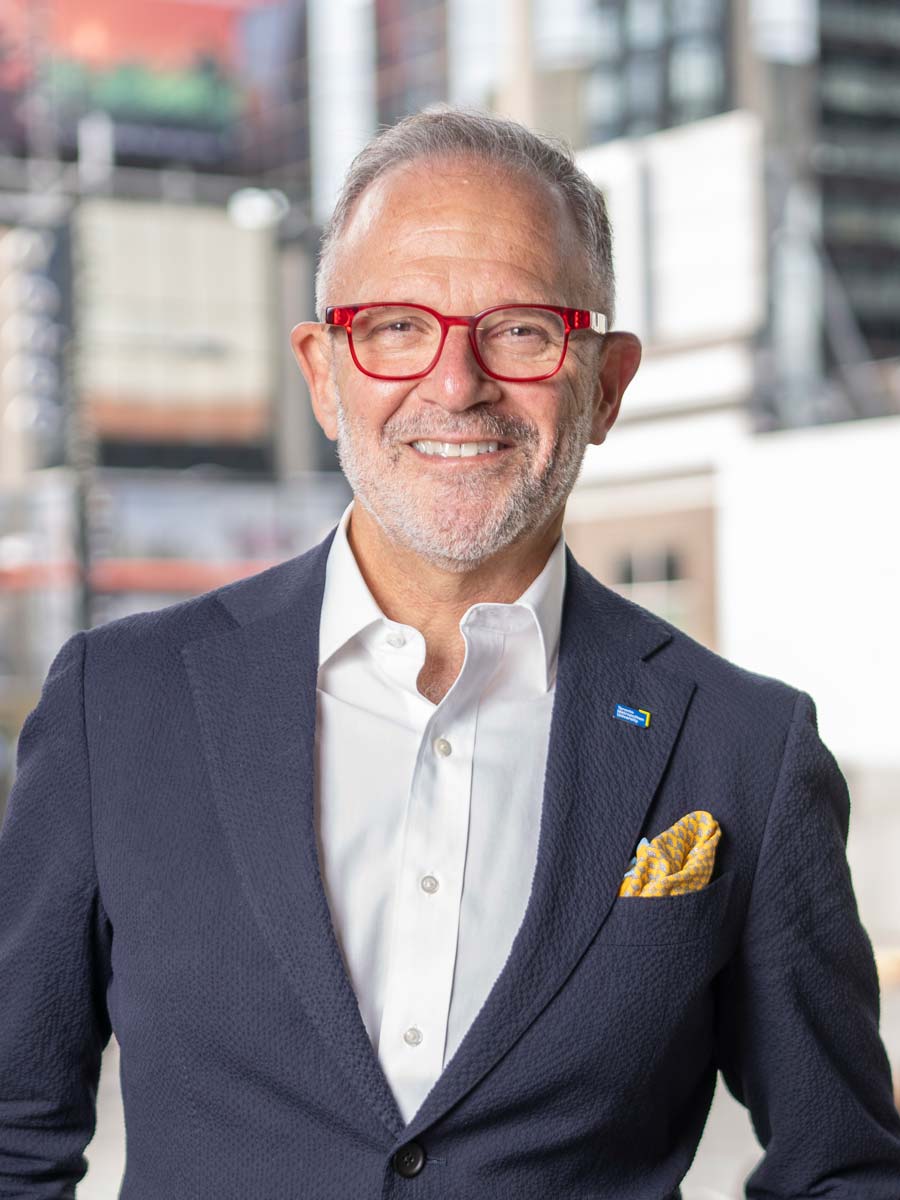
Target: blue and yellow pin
(634, 716)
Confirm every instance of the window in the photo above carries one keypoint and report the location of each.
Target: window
(696, 16)
(657, 63)
(604, 103)
(856, 87)
(644, 85)
(655, 579)
(607, 22)
(646, 24)
(695, 78)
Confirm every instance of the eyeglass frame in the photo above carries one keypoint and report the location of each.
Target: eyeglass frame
(575, 319)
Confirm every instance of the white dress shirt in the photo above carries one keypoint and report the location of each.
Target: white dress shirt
(428, 814)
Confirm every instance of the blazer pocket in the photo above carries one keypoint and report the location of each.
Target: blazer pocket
(664, 920)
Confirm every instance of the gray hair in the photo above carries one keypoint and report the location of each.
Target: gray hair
(442, 131)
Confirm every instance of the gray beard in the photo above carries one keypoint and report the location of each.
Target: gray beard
(443, 535)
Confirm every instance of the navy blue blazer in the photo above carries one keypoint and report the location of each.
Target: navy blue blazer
(159, 877)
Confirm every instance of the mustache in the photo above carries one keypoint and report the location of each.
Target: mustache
(483, 427)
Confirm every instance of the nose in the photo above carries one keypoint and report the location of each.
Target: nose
(456, 381)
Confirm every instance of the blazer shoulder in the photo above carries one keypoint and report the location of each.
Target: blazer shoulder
(721, 676)
(735, 706)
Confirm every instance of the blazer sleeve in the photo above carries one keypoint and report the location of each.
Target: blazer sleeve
(55, 945)
(798, 1006)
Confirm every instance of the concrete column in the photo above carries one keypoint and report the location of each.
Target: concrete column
(342, 93)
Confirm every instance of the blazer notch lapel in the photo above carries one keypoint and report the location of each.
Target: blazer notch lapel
(254, 691)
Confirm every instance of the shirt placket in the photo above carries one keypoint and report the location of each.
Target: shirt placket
(429, 887)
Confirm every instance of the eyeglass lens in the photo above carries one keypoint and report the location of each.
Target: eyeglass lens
(395, 340)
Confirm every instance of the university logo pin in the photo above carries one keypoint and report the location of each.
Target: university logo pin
(634, 716)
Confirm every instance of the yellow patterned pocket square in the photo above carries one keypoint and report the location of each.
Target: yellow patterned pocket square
(676, 861)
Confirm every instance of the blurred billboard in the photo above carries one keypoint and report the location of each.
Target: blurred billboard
(170, 348)
(186, 81)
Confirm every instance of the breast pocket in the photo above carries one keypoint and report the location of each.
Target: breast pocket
(664, 920)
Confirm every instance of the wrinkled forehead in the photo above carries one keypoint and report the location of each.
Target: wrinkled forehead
(430, 213)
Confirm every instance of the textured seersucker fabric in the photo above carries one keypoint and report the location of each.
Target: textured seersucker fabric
(159, 875)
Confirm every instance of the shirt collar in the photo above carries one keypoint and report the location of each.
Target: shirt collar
(348, 607)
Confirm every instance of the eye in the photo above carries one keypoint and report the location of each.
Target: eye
(519, 332)
(400, 326)
(387, 327)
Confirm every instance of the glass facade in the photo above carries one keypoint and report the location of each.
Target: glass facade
(668, 63)
(857, 158)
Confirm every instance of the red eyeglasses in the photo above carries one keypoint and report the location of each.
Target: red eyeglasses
(512, 342)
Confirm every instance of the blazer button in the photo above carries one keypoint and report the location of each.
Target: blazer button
(409, 1160)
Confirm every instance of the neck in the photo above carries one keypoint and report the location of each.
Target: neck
(417, 592)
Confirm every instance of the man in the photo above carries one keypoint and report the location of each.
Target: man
(345, 852)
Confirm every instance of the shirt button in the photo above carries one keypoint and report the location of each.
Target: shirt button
(396, 639)
(429, 884)
(413, 1036)
(442, 747)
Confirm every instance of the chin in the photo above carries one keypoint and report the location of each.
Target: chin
(453, 532)
(455, 559)
(457, 545)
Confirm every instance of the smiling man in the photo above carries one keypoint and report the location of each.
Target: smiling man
(423, 864)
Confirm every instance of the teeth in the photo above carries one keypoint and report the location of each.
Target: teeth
(456, 449)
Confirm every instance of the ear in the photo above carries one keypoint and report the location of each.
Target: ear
(312, 350)
(620, 356)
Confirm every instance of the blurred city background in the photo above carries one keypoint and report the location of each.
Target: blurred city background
(165, 169)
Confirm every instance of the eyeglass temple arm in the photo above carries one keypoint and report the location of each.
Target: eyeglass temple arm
(598, 322)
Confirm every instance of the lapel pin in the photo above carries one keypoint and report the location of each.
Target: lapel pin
(634, 716)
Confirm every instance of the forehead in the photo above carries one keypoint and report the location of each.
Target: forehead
(441, 223)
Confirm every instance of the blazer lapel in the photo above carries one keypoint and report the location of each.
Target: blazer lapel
(254, 689)
(601, 777)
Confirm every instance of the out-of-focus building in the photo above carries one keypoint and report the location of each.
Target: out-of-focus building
(855, 158)
(155, 249)
(691, 264)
